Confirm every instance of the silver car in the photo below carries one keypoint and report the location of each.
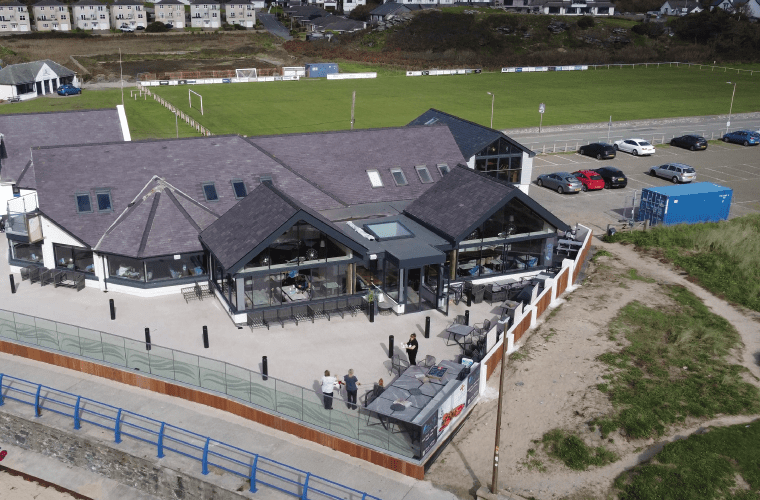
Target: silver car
(676, 172)
(563, 182)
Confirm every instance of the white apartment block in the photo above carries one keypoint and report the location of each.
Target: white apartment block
(171, 12)
(242, 13)
(349, 5)
(91, 15)
(14, 16)
(130, 13)
(51, 15)
(205, 14)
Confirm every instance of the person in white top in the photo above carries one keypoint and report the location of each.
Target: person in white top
(328, 386)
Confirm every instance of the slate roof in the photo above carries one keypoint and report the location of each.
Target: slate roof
(305, 11)
(12, 3)
(337, 23)
(46, 3)
(126, 2)
(454, 206)
(15, 74)
(22, 131)
(337, 162)
(86, 2)
(470, 136)
(127, 167)
(388, 8)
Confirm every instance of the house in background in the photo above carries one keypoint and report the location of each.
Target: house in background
(128, 13)
(349, 5)
(205, 14)
(91, 15)
(28, 80)
(170, 12)
(680, 7)
(750, 8)
(572, 7)
(51, 15)
(242, 12)
(14, 17)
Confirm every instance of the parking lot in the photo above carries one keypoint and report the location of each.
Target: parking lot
(730, 165)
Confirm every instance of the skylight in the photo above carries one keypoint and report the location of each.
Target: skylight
(239, 188)
(209, 191)
(431, 121)
(374, 178)
(84, 205)
(104, 201)
(443, 169)
(398, 177)
(388, 230)
(424, 175)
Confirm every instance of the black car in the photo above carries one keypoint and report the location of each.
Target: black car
(692, 142)
(598, 150)
(613, 177)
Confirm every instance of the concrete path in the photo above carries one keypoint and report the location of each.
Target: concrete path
(274, 26)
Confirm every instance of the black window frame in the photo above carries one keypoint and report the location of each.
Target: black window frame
(89, 202)
(106, 192)
(235, 191)
(204, 185)
(420, 168)
(397, 170)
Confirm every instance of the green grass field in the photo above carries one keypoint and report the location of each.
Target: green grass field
(394, 99)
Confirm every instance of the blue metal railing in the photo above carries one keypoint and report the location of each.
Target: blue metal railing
(259, 470)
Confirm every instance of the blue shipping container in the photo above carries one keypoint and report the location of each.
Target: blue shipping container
(685, 204)
(320, 70)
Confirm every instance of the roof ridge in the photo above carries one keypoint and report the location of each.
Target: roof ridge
(149, 224)
(141, 141)
(131, 206)
(182, 210)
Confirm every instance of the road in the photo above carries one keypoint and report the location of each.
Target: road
(274, 26)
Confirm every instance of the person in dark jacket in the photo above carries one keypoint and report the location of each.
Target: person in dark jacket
(351, 389)
(411, 349)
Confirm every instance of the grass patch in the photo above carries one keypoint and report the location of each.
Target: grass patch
(723, 256)
(573, 452)
(517, 356)
(600, 253)
(634, 275)
(704, 466)
(674, 366)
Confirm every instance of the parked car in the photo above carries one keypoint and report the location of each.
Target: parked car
(598, 150)
(126, 29)
(634, 146)
(613, 177)
(68, 89)
(746, 137)
(689, 141)
(563, 182)
(589, 179)
(140, 27)
(676, 172)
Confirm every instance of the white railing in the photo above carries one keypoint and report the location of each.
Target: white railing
(23, 204)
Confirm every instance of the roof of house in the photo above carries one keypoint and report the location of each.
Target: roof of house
(23, 131)
(470, 136)
(337, 23)
(127, 2)
(389, 8)
(16, 74)
(251, 224)
(169, 2)
(305, 11)
(87, 2)
(125, 168)
(45, 3)
(459, 203)
(337, 162)
(682, 4)
(12, 3)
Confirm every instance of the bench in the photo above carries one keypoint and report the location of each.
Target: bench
(69, 279)
(197, 291)
(14, 98)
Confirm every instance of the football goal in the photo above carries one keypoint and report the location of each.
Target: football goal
(246, 73)
(190, 99)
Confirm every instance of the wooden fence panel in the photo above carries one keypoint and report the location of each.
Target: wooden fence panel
(582, 258)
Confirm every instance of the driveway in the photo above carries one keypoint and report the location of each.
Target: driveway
(274, 26)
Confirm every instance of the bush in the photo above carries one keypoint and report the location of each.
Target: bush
(361, 12)
(156, 27)
(651, 30)
(586, 22)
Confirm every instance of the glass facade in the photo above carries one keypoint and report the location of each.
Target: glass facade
(78, 259)
(126, 268)
(160, 269)
(500, 159)
(296, 286)
(391, 284)
(28, 252)
(481, 261)
(514, 219)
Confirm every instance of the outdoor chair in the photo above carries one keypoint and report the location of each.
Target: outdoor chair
(495, 293)
(270, 317)
(482, 330)
(428, 361)
(373, 394)
(286, 314)
(48, 277)
(331, 307)
(477, 293)
(343, 306)
(459, 320)
(355, 305)
(301, 313)
(189, 293)
(35, 274)
(399, 364)
(25, 271)
(255, 320)
(317, 310)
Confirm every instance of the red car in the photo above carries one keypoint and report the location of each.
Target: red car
(589, 179)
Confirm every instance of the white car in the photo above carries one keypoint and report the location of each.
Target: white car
(637, 147)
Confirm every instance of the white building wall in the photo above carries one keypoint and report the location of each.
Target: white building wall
(52, 233)
(527, 173)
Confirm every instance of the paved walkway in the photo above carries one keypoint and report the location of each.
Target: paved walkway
(274, 26)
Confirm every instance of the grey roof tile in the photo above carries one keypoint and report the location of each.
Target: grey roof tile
(22, 131)
(15, 74)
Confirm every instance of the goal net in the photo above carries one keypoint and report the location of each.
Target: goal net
(246, 73)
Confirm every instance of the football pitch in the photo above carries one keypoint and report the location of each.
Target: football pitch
(313, 105)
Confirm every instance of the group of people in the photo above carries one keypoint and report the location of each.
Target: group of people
(330, 383)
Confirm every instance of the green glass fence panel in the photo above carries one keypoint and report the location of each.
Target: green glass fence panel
(402, 440)
(262, 391)
(314, 413)
(113, 349)
(68, 338)
(373, 431)
(47, 336)
(345, 422)
(238, 382)
(25, 328)
(89, 341)
(212, 375)
(137, 355)
(161, 362)
(186, 368)
(289, 399)
(7, 325)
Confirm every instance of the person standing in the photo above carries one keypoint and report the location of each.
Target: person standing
(411, 349)
(328, 387)
(351, 389)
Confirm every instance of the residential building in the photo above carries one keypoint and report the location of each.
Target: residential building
(680, 7)
(128, 14)
(171, 12)
(51, 15)
(349, 5)
(241, 12)
(28, 80)
(567, 7)
(750, 8)
(14, 17)
(205, 14)
(91, 15)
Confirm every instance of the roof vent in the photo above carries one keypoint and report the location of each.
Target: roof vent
(266, 179)
(431, 121)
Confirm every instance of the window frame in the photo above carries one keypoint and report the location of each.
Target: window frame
(398, 170)
(89, 201)
(107, 192)
(377, 173)
(420, 168)
(234, 190)
(205, 195)
(443, 166)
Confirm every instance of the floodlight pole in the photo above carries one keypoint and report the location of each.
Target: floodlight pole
(353, 103)
(609, 126)
(495, 476)
(176, 123)
(728, 123)
(492, 99)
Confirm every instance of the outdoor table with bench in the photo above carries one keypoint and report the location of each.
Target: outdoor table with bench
(459, 333)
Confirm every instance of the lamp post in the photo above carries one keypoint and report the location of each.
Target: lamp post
(728, 123)
(492, 98)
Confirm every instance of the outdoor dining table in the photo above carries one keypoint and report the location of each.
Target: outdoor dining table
(458, 333)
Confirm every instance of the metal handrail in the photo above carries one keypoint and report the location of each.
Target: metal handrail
(259, 469)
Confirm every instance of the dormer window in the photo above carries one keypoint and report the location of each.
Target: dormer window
(398, 177)
(443, 169)
(423, 174)
(374, 178)
(209, 191)
(239, 188)
(84, 205)
(103, 197)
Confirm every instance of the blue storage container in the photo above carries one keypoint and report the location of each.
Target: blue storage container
(320, 70)
(685, 204)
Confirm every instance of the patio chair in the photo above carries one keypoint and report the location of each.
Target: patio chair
(331, 307)
(343, 306)
(399, 364)
(317, 310)
(255, 320)
(495, 293)
(270, 317)
(459, 320)
(35, 274)
(355, 304)
(482, 330)
(373, 394)
(428, 361)
(301, 313)
(48, 277)
(477, 293)
(286, 314)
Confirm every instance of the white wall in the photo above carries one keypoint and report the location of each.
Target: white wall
(52, 233)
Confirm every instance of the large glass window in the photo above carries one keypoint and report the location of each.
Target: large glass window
(390, 287)
(78, 259)
(104, 200)
(515, 218)
(83, 203)
(167, 268)
(28, 252)
(126, 268)
(500, 159)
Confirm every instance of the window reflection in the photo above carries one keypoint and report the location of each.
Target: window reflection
(78, 259)
(28, 252)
